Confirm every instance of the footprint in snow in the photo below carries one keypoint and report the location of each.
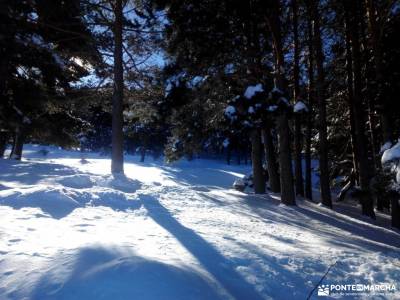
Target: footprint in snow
(14, 240)
(83, 225)
(8, 273)
(200, 189)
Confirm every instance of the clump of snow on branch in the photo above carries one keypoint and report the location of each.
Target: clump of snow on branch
(391, 159)
(392, 154)
(300, 107)
(252, 90)
(385, 147)
(230, 112)
(226, 143)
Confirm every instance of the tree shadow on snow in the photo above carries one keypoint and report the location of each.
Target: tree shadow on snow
(116, 273)
(213, 261)
(31, 173)
(200, 179)
(342, 230)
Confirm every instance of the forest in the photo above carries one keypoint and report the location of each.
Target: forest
(267, 107)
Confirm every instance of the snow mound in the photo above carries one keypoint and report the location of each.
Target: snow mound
(78, 181)
(52, 201)
(119, 182)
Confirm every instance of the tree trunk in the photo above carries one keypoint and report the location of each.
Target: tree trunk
(245, 154)
(320, 93)
(3, 142)
(256, 158)
(350, 100)
(298, 170)
(228, 154)
(19, 140)
(285, 160)
(307, 152)
(142, 153)
(117, 156)
(307, 156)
(383, 101)
(272, 165)
(352, 21)
(395, 208)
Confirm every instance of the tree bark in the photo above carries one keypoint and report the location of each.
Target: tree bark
(298, 170)
(307, 152)
(285, 160)
(350, 100)
(256, 158)
(383, 101)
(3, 142)
(142, 153)
(19, 140)
(395, 209)
(272, 165)
(326, 198)
(358, 108)
(117, 155)
(228, 154)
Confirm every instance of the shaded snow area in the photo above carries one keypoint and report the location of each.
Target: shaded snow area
(71, 231)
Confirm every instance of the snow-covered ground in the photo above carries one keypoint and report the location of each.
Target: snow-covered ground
(70, 231)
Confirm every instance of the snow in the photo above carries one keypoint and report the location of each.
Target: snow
(385, 146)
(57, 58)
(300, 107)
(225, 143)
(230, 69)
(252, 90)
(391, 158)
(72, 231)
(392, 154)
(230, 112)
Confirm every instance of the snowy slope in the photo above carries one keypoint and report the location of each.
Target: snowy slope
(70, 231)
